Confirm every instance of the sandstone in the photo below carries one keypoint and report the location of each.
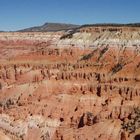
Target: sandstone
(78, 87)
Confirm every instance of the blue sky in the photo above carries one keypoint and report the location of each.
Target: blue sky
(18, 14)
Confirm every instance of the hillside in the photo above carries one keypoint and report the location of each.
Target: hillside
(51, 27)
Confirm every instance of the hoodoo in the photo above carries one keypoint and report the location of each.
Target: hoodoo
(82, 83)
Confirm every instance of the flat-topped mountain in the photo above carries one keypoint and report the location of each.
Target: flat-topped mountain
(113, 25)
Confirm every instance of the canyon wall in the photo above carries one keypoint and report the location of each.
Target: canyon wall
(70, 86)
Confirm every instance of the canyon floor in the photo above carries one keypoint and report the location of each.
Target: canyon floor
(70, 85)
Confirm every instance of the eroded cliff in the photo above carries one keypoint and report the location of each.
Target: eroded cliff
(71, 85)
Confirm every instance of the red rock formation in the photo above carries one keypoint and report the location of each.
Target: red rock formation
(53, 89)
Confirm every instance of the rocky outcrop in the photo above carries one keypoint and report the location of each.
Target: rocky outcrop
(82, 87)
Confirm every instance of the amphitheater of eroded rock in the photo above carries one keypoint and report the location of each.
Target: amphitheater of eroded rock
(83, 85)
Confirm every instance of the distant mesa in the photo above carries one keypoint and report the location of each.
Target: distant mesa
(54, 27)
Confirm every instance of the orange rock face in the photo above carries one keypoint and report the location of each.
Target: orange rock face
(86, 87)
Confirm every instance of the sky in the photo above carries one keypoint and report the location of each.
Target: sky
(20, 14)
